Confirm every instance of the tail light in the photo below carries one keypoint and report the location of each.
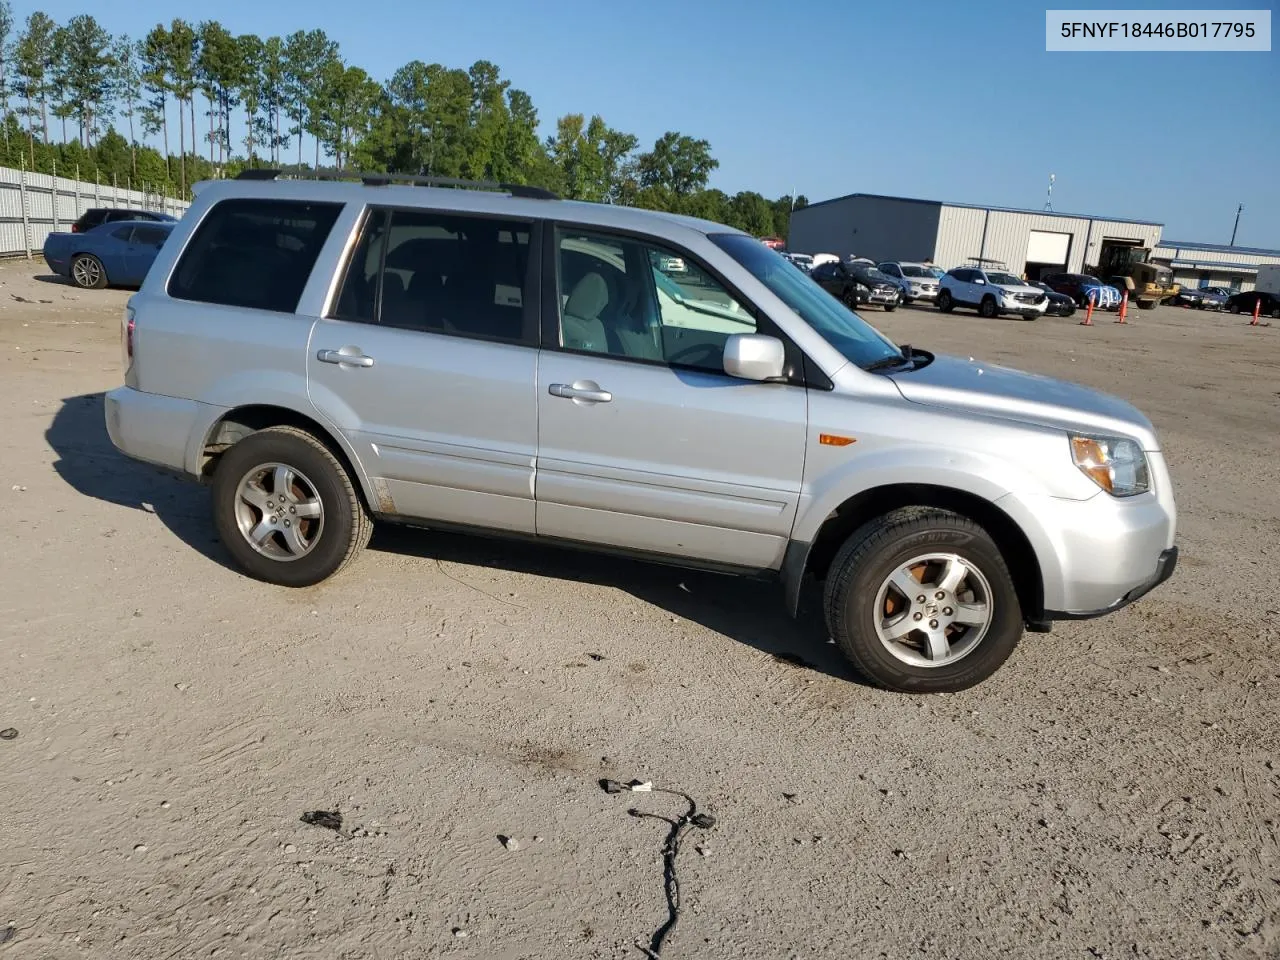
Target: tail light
(75, 228)
(126, 340)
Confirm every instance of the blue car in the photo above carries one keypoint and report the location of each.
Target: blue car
(118, 252)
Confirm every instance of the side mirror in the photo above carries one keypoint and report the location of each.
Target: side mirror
(981, 281)
(752, 356)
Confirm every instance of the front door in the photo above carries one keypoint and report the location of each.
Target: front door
(644, 443)
(428, 366)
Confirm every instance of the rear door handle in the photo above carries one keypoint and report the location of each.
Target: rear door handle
(337, 356)
(587, 391)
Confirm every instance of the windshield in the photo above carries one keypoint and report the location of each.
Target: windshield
(910, 271)
(938, 272)
(1003, 278)
(847, 332)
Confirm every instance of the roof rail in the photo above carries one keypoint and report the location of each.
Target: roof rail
(383, 179)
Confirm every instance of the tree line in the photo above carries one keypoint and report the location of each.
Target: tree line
(74, 96)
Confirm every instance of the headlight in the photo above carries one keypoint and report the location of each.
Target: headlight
(1116, 464)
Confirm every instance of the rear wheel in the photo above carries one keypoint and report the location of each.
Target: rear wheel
(286, 509)
(945, 303)
(920, 600)
(87, 272)
(988, 307)
(1235, 308)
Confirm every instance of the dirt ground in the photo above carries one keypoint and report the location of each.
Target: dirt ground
(1112, 792)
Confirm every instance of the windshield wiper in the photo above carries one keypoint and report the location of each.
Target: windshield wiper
(885, 363)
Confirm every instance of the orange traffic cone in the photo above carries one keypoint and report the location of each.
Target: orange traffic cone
(1124, 306)
(1257, 312)
(1088, 314)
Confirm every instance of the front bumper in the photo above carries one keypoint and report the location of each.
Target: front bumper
(1165, 565)
(878, 299)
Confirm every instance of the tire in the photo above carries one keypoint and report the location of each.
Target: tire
(945, 303)
(321, 546)
(858, 594)
(890, 307)
(1235, 308)
(88, 273)
(988, 307)
(1275, 312)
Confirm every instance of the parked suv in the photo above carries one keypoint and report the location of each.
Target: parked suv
(97, 216)
(992, 292)
(327, 355)
(858, 284)
(915, 280)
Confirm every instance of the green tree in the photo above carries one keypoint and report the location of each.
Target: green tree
(6, 67)
(306, 53)
(153, 56)
(589, 157)
(88, 72)
(126, 88)
(486, 153)
(347, 99)
(524, 155)
(220, 69)
(750, 212)
(679, 163)
(273, 93)
(182, 61)
(34, 61)
(251, 55)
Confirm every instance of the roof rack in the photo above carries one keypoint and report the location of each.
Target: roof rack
(383, 179)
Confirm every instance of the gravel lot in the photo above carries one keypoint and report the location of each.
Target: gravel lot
(1112, 792)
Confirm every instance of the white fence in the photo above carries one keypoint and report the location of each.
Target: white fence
(33, 205)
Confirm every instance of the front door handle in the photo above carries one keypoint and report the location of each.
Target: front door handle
(337, 356)
(587, 391)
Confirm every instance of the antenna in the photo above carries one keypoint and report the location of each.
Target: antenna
(1048, 202)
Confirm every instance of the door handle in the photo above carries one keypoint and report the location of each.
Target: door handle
(584, 390)
(337, 356)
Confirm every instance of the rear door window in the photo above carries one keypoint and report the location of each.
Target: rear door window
(254, 253)
(439, 272)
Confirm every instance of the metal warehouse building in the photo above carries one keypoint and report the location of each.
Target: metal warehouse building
(951, 234)
(1214, 264)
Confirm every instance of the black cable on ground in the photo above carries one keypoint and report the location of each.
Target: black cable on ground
(680, 826)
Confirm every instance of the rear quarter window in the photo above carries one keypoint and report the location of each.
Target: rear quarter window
(252, 253)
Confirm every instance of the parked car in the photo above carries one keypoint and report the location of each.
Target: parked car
(117, 252)
(1201, 299)
(1060, 305)
(774, 243)
(992, 293)
(801, 260)
(1245, 302)
(858, 284)
(96, 216)
(327, 355)
(1079, 287)
(671, 265)
(915, 280)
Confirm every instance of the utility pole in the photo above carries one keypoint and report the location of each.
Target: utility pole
(1237, 226)
(1048, 203)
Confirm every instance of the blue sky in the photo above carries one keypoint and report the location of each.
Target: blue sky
(940, 100)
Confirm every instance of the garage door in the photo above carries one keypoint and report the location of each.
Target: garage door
(1045, 247)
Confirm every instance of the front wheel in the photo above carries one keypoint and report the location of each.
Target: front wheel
(890, 307)
(988, 308)
(945, 303)
(920, 601)
(286, 509)
(1235, 308)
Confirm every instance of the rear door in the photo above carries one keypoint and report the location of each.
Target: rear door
(644, 443)
(427, 363)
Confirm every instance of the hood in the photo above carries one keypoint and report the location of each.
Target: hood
(1028, 397)
(1012, 288)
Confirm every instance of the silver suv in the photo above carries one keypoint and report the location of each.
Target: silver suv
(330, 354)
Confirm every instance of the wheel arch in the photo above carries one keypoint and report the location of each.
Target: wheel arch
(239, 422)
(815, 557)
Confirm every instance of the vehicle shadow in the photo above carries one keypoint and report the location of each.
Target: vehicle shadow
(54, 279)
(749, 611)
(91, 465)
